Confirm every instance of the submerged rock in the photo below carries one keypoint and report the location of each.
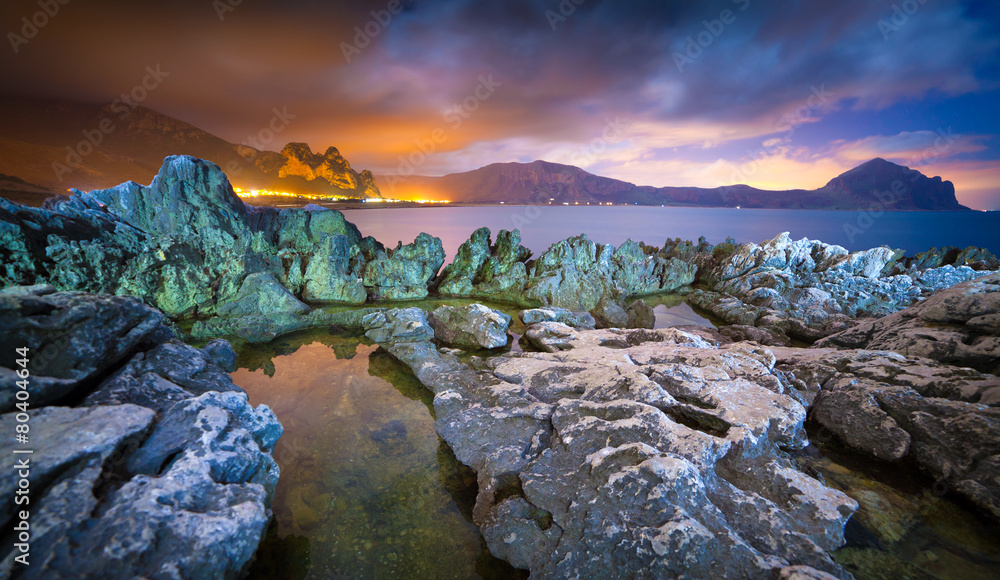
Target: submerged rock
(635, 452)
(471, 327)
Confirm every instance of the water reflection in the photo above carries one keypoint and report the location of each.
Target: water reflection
(367, 488)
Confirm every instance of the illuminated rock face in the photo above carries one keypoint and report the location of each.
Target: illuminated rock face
(300, 161)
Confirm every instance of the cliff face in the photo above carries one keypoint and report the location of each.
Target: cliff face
(56, 145)
(298, 160)
(895, 186)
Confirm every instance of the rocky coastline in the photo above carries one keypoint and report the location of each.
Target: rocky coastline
(606, 448)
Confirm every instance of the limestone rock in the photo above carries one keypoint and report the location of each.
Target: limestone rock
(640, 315)
(470, 327)
(550, 336)
(399, 325)
(946, 418)
(579, 320)
(329, 277)
(635, 452)
(72, 338)
(958, 325)
(260, 293)
(404, 273)
(487, 271)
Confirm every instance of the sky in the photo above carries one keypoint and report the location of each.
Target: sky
(777, 95)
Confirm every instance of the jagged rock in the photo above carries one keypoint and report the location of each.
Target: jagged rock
(579, 320)
(640, 315)
(620, 456)
(488, 271)
(301, 229)
(62, 437)
(574, 273)
(329, 276)
(638, 273)
(297, 159)
(260, 293)
(202, 515)
(809, 290)
(976, 258)
(470, 327)
(72, 338)
(404, 273)
(959, 325)
(399, 325)
(176, 486)
(893, 407)
(159, 378)
(550, 336)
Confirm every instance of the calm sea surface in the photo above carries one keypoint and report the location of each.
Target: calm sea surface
(541, 226)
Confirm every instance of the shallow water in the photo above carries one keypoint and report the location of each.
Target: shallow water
(367, 488)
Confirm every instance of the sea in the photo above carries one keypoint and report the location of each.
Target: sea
(541, 226)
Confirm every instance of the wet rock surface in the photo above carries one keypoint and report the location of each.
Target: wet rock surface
(635, 452)
(162, 470)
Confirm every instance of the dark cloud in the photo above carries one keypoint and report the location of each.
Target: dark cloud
(564, 68)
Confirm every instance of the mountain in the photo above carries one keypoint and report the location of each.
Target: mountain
(876, 182)
(56, 145)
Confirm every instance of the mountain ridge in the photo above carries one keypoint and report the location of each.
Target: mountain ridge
(61, 144)
(875, 184)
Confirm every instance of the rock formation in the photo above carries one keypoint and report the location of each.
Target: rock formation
(959, 326)
(806, 289)
(634, 452)
(147, 460)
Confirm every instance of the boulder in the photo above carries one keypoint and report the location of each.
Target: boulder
(574, 273)
(549, 336)
(640, 315)
(469, 327)
(260, 293)
(610, 314)
(398, 325)
(579, 320)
